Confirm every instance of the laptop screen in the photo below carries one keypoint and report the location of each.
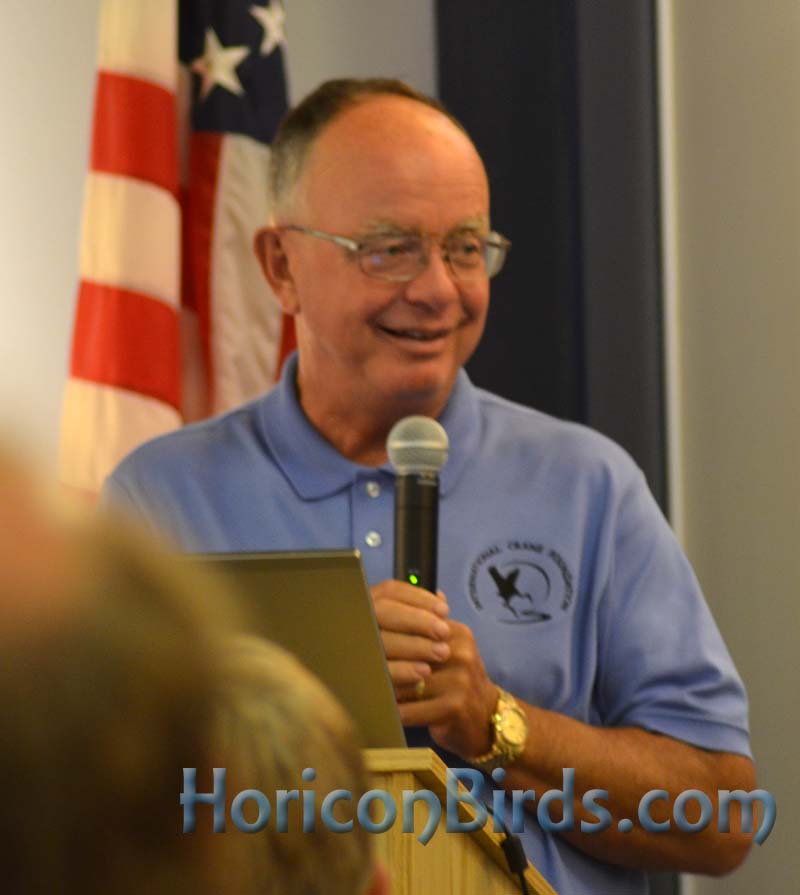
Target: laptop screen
(316, 604)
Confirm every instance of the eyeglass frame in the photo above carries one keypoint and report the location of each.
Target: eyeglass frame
(493, 238)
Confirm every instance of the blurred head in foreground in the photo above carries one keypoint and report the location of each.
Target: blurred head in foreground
(109, 653)
(275, 719)
(120, 668)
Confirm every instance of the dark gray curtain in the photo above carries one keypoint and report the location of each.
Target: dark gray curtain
(560, 98)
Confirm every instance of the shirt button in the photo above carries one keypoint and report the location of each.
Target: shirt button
(373, 489)
(373, 539)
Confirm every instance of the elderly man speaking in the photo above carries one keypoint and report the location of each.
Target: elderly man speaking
(570, 631)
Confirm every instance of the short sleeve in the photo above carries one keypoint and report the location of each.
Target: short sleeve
(663, 664)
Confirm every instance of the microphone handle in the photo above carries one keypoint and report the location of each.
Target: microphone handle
(416, 528)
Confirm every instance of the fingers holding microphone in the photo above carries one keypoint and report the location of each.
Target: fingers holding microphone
(414, 632)
(436, 667)
(456, 701)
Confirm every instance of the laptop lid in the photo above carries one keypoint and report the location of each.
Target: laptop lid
(316, 604)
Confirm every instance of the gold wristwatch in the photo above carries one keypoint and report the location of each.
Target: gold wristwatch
(509, 728)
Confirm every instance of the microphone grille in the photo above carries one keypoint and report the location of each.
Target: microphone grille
(417, 444)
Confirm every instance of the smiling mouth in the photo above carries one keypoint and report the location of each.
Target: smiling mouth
(415, 335)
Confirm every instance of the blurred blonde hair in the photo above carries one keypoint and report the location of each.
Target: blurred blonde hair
(275, 719)
(120, 667)
(109, 657)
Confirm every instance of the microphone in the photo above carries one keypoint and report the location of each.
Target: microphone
(417, 448)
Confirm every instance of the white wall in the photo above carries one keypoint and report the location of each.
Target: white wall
(735, 194)
(47, 73)
(360, 38)
(46, 69)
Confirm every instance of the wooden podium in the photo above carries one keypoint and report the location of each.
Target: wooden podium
(463, 863)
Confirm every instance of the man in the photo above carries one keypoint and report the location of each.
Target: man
(569, 612)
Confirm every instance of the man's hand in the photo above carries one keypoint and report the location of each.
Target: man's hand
(414, 630)
(458, 697)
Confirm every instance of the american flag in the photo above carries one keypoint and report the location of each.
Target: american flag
(174, 320)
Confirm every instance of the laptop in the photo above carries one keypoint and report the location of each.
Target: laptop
(316, 604)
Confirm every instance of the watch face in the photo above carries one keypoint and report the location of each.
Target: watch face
(514, 727)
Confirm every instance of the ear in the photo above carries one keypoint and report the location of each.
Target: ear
(379, 884)
(271, 254)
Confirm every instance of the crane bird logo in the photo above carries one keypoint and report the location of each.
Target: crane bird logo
(507, 590)
(520, 582)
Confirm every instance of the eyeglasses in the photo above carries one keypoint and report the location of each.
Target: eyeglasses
(399, 257)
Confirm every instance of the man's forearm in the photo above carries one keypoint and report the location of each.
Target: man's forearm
(627, 763)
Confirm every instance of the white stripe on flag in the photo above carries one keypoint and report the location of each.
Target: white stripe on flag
(131, 237)
(138, 37)
(100, 425)
(246, 317)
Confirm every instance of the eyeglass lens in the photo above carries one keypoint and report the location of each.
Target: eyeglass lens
(404, 256)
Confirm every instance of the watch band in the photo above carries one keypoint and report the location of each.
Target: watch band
(509, 728)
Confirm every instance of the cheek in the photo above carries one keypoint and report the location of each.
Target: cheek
(476, 307)
(476, 304)
(335, 318)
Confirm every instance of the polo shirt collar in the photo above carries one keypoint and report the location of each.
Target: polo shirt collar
(316, 469)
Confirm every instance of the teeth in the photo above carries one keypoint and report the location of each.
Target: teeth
(414, 334)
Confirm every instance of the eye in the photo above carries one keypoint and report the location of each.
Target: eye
(465, 248)
(390, 255)
(391, 247)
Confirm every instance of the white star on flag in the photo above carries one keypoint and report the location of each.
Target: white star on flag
(272, 19)
(217, 65)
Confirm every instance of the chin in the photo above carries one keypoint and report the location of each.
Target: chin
(425, 390)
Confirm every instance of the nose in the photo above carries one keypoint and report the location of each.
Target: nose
(435, 284)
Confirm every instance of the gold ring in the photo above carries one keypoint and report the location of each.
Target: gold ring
(419, 689)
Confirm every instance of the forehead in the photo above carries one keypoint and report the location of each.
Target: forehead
(394, 160)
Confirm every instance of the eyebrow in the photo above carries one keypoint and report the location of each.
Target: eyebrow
(379, 227)
(386, 227)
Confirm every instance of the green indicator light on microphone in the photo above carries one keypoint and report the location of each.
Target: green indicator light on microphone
(413, 578)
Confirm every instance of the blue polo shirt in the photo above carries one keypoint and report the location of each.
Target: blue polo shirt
(551, 549)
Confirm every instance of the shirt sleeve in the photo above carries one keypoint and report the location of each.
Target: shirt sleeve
(663, 663)
(121, 496)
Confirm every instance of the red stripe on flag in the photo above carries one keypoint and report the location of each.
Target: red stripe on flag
(135, 132)
(198, 233)
(127, 340)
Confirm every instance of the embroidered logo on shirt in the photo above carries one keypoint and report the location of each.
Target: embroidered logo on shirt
(521, 583)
